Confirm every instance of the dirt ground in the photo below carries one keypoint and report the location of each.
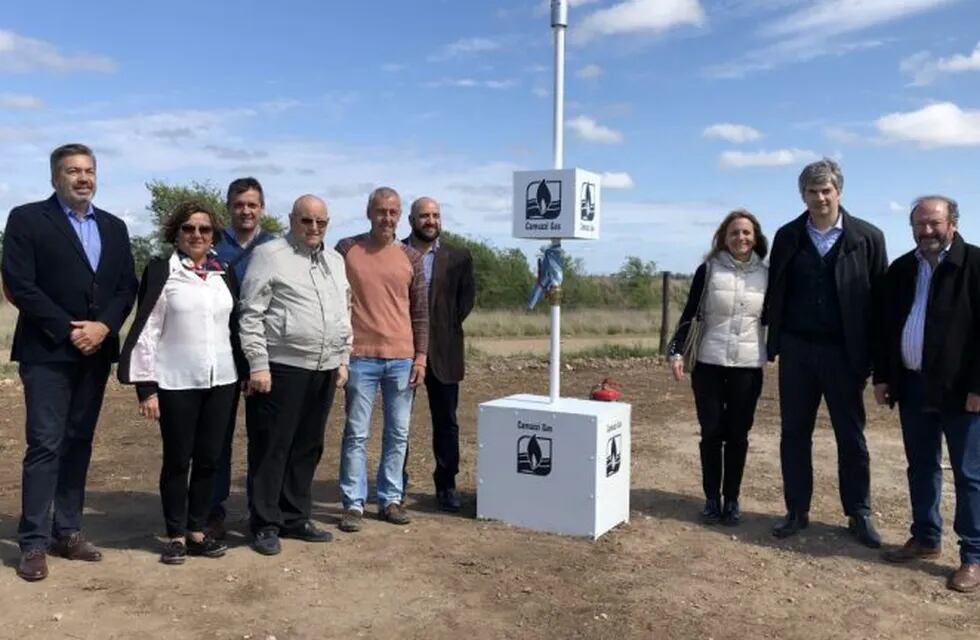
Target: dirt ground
(662, 575)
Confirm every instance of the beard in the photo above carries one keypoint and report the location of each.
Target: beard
(931, 244)
(424, 234)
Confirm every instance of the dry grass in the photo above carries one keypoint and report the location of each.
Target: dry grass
(578, 322)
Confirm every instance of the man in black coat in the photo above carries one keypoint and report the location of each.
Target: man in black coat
(928, 361)
(68, 269)
(449, 276)
(825, 272)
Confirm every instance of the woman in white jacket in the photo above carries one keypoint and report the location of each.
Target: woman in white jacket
(730, 355)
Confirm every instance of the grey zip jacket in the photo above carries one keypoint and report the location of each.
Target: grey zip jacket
(295, 307)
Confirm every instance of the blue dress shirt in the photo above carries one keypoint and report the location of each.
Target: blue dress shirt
(87, 230)
(913, 334)
(824, 240)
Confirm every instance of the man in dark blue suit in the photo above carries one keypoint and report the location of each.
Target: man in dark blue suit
(68, 268)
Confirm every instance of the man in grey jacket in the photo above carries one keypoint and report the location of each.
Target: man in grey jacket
(296, 333)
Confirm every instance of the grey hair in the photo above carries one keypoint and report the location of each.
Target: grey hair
(951, 205)
(381, 193)
(66, 150)
(820, 172)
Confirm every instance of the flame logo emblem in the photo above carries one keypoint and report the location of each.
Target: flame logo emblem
(543, 200)
(587, 208)
(534, 455)
(614, 454)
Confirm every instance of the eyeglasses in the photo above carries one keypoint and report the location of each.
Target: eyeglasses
(309, 222)
(189, 229)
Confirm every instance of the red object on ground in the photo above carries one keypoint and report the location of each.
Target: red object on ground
(607, 391)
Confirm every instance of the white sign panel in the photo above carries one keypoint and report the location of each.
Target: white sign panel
(553, 203)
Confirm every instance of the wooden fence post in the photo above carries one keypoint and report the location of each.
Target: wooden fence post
(665, 313)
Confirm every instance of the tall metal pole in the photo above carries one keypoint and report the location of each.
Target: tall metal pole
(559, 22)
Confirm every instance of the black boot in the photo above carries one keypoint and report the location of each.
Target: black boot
(712, 511)
(731, 515)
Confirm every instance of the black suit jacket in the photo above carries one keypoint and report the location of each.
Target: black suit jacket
(48, 278)
(451, 297)
(859, 274)
(951, 344)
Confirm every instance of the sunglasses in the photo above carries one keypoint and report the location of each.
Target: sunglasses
(309, 222)
(189, 229)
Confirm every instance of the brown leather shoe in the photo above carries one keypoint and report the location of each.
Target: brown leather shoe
(966, 579)
(395, 514)
(75, 547)
(33, 565)
(912, 550)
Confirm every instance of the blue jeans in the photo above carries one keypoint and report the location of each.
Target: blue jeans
(366, 375)
(922, 432)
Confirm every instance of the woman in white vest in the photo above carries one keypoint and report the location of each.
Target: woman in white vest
(723, 316)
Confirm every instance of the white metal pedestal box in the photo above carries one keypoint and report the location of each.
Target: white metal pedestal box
(562, 467)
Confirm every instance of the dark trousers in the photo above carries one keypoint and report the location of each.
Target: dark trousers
(63, 401)
(922, 432)
(192, 426)
(222, 475)
(443, 400)
(807, 373)
(725, 398)
(285, 442)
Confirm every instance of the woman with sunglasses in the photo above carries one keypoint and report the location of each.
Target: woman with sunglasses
(182, 354)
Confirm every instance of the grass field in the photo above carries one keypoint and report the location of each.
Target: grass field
(577, 322)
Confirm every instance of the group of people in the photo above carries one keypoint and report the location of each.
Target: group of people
(834, 311)
(284, 321)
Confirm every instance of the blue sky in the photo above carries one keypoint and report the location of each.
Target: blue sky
(693, 107)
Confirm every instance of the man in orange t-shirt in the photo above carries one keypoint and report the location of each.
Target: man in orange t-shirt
(390, 316)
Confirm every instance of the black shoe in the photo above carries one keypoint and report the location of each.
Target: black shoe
(711, 514)
(862, 527)
(174, 553)
(448, 500)
(792, 524)
(208, 547)
(308, 532)
(266, 541)
(731, 515)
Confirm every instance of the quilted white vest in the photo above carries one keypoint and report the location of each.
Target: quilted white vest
(733, 335)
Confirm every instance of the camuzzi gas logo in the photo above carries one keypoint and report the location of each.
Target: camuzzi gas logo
(534, 455)
(543, 200)
(587, 204)
(614, 454)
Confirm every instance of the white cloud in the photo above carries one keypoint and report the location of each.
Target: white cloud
(471, 83)
(587, 129)
(820, 29)
(20, 54)
(735, 133)
(939, 125)
(894, 207)
(924, 68)
(617, 180)
(466, 46)
(590, 72)
(540, 92)
(16, 101)
(638, 17)
(775, 158)
(834, 17)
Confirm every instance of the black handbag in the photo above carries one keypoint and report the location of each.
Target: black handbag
(696, 331)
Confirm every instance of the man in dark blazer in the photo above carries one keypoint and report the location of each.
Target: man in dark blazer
(449, 276)
(68, 269)
(928, 361)
(825, 271)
